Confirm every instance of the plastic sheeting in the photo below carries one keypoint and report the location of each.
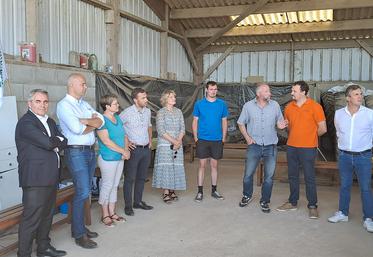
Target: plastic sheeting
(236, 95)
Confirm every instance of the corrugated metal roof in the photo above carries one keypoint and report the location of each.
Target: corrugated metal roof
(273, 19)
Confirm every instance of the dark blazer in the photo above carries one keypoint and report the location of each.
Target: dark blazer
(37, 160)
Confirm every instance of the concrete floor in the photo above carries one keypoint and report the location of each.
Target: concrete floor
(221, 228)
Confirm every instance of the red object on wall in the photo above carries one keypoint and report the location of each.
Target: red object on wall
(83, 61)
(28, 52)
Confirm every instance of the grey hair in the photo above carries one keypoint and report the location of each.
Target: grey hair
(259, 86)
(35, 91)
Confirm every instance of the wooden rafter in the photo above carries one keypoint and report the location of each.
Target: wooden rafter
(287, 46)
(191, 56)
(273, 7)
(285, 28)
(247, 11)
(216, 64)
(365, 46)
(148, 24)
(98, 4)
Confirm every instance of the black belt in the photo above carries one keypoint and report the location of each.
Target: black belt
(82, 147)
(142, 146)
(355, 153)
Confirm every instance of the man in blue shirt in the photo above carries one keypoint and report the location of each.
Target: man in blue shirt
(209, 131)
(257, 123)
(354, 127)
(78, 121)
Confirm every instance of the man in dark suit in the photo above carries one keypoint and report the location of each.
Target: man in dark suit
(38, 144)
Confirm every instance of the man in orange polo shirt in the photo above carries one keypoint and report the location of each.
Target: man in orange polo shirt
(306, 121)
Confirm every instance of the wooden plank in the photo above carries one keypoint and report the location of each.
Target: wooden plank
(247, 11)
(185, 42)
(285, 28)
(221, 58)
(112, 20)
(287, 46)
(274, 7)
(148, 24)
(158, 7)
(164, 46)
(98, 4)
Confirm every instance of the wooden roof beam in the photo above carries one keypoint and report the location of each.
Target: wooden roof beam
(285, 28)
(276, 7)
(148, 24)
(247, 11)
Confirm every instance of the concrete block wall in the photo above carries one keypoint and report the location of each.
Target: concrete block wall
(23, 77)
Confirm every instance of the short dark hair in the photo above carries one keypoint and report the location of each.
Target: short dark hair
(136, 91)
(107, 100)
(303, 86)
(211, 83)
(351, 88)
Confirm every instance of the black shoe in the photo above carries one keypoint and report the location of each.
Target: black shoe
(265, 207)
(85, 242)
(142, 205)
(129, 212)
(52, 252)
(245, 201)
(91, 234)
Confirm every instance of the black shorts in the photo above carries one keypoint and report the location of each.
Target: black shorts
(209, 149)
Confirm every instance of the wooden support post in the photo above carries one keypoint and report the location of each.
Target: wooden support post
(32, 24)
(112, 20)
(198, 74)
(164, 44)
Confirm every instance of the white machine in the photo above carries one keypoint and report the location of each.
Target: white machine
(10, 192)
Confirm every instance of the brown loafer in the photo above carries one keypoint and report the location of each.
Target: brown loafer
(85, 242)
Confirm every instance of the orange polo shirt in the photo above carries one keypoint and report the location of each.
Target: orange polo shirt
(303, 123)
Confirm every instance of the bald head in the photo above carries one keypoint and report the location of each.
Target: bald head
(76, 85)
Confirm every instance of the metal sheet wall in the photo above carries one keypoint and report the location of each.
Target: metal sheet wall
(71, 25)
(309, 65)
(140, 49)
(140, 9)
(12, 25)
(178, 61)
(140, 46)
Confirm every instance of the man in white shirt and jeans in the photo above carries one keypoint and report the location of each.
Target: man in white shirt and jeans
(78, 121)
(354, 126)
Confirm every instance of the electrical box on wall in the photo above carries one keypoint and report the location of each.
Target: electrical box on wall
(10, 192)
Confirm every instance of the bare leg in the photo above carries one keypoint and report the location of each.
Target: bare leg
(214, 171)
(201, 171)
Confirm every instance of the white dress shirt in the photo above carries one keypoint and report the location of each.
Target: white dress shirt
(69, 112)
(354, 132)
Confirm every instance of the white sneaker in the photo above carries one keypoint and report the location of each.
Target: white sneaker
(338, 217)
(368, 224)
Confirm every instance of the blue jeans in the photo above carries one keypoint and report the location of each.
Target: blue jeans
(298, 157)
(82, 165)
(253, 155)
(362, 166)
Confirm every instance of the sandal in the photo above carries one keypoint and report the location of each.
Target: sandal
(167, 198)
(173, 196)
(107, 221)
(118, 218)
